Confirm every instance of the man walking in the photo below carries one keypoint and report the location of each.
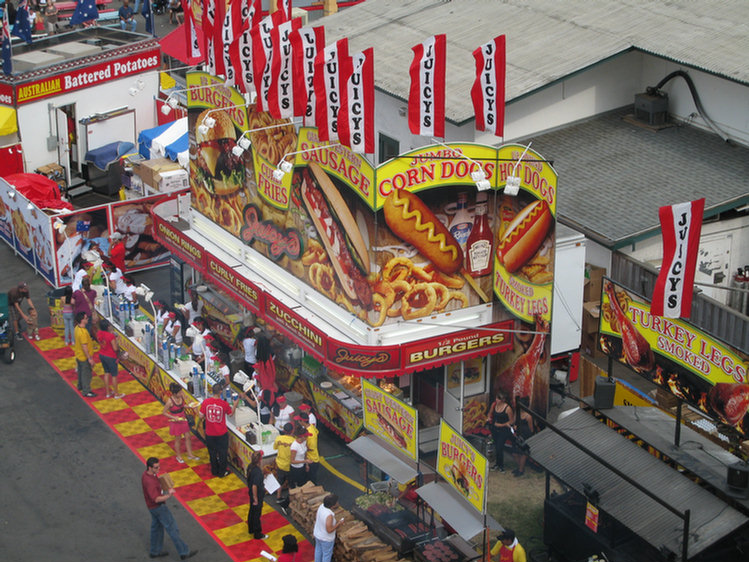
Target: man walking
(84, 354)
(161, 518)
(215, 410)
(325, 529)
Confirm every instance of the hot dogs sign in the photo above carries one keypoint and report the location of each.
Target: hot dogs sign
(408, 240)
(395, 421)
(462, 466)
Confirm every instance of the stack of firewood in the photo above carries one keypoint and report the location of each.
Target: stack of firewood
(355, 542)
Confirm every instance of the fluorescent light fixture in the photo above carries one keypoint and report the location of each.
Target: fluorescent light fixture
(478, 175)
(30, 207)
(483, 185)
(284, 166)
(203, 129)
(244, 142)
(209, 121)
(172, 102)
(12, 194)
(512, 187)
(133, 91)
(140, 84)
(237, 151)
(58, 225)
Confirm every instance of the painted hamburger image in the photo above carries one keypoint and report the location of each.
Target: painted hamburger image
(218, 169)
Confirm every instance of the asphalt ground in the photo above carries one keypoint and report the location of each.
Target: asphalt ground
(70, 487)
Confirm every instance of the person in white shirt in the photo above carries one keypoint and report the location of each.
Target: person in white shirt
(193, 309)
(173, 328)
(299, 461)
(130, 289)
(325, 529)
(116, 283)
(249, 344)
(199, 345)
(306, 408)
(79, 275)
(223, 367)
(285, 412)
(161, 312)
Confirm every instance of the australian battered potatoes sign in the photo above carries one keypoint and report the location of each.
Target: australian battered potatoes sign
(387, 417)
(462, 466)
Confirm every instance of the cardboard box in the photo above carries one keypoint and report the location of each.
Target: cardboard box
(665, 399)
(591, 315)
(166, 482)
(150, 170)
(593, 282)
(173, 180)
(589, 345)
(52, 169)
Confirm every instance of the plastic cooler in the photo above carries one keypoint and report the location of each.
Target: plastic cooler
(54, 302)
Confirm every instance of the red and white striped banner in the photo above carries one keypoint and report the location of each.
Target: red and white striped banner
(488, 92)
(281, 91)
(356, 116)
(285, 7)
(262, 56)
(306, 42)
(426, 100)
(240, 50)
(218, 37)
(232, 28)
(195, 49)
(327, 80)
(681, 225)
(208, 23)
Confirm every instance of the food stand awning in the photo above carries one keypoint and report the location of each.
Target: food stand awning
(169, 140)
(711, 518)
(8, 124)
(375, 451)
(454, 509)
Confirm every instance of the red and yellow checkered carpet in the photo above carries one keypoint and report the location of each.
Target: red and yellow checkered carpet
(220, 505)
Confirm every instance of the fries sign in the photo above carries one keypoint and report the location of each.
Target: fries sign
(462, 466)
(390, 419)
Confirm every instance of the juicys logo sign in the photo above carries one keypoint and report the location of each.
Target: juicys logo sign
(462, 466)
(389, 418)
(524, 256)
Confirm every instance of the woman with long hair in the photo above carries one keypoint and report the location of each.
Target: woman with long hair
(174, 410)
(265, 367)
(500, 421)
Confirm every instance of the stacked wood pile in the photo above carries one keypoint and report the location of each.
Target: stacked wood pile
(354, 541)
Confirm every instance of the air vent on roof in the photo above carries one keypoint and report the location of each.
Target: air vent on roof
(95, 41)
(652, 107)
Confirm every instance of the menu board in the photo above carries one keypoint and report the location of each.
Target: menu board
(675, 355)
(392, 420)
(462, 466)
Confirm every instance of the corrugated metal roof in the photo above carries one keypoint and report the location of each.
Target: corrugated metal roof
(614, 175)
(546, 39)
(711, 518)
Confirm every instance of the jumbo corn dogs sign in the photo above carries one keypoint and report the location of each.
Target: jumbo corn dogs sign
(392, 420)
(462, 466)
(388, 244)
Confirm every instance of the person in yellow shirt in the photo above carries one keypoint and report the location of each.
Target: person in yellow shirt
(84, 354)
(282, 445)
(313, 454)
(508, 548)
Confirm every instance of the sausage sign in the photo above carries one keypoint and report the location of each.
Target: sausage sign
(390, 419)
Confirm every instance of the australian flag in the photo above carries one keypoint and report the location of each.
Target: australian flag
(85, 10)
(7, 51)
(22, 27)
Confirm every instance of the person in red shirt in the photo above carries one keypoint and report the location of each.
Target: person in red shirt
(108, 357)
(215, 410)
(161, 518)
(117, 250)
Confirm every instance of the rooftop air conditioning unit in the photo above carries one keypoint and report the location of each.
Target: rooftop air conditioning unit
(651, 107)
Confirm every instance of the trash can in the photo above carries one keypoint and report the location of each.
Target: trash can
(54, 302)
(236, 361)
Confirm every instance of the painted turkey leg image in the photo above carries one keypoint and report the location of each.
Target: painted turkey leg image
(637, 351)
(523, 370)
(730, 401)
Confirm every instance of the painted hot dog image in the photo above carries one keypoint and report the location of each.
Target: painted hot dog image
(415, 223)
(392, 431)
(338, 232)
(524, 235)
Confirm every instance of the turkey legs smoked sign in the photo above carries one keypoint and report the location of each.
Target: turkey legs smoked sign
(676, 356)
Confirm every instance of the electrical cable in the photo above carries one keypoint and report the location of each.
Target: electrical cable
(654, 90)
